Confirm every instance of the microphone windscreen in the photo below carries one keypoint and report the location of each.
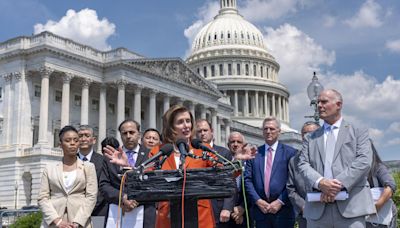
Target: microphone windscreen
(167, 149)
(182, 141)
(196, 143)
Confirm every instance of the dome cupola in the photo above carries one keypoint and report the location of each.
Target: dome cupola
(228, 28)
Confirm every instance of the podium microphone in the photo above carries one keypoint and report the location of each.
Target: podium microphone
(183, 148)
(198, 144)
(165, 150)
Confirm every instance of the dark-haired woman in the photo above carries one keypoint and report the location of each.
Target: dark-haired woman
(379, 176)
(68, 189)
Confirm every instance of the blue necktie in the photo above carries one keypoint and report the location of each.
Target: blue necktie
(84, 158)
(131, 159)
(329, 152)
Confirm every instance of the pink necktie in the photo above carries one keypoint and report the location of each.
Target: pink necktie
(267, 172)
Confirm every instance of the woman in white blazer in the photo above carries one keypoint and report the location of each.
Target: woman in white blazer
(69, 188)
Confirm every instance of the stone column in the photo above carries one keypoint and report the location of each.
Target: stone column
(217, 132)
(179, 101)
(279, 107)
(203, 114)
(65, 99)
(227, 130)
(273, 105)
(266, 108)
(44, 105)
(192, 109)
(246, 103)
(138, 105)
(120, 102)
(284, 108)
(287, 111)
(7, 109)
(85, 101)
(152, 109)
(166, 103)
(102, 114)
(214, 122)
(236, 105)
(256, 107)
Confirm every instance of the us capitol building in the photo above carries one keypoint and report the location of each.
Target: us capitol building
(48, 81)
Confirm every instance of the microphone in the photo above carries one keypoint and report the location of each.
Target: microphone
(165, 150)
(198, 144)
(183, 149)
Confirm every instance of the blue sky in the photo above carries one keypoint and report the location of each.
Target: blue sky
(353, 45)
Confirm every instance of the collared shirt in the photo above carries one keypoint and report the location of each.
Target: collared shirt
(89, 156)
(135, 151)
(327, 129)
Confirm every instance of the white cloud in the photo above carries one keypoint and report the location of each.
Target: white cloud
(329, 21)
(258, 10)
(394, 127)
(365, 97)
(83, 26)
(376, 134)
(395, 141)
(204, 15)
(368, 16)
(298, 55)
(393, 45)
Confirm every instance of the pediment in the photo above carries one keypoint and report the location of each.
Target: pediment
(177, 71)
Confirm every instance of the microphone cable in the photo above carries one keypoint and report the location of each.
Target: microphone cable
(244, 195)
(183, 196)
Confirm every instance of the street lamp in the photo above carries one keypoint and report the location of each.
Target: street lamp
(313, 90)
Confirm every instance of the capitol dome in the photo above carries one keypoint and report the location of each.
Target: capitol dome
(230, 52)
(228, 29)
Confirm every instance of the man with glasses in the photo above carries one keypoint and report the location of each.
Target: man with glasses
(86, 152)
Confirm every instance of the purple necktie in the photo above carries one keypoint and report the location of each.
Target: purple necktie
(131, 159)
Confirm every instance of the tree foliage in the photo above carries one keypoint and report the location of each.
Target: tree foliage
(396, 197)
(32, 220)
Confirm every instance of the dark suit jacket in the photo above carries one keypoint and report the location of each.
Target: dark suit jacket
(226, 203)
(101, 207)
(254, 180)
(110, 183)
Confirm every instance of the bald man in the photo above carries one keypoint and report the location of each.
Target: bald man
(336, 157)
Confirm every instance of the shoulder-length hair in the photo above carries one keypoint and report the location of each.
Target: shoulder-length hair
(168, 133)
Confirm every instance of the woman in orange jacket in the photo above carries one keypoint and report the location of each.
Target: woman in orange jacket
(178, 123)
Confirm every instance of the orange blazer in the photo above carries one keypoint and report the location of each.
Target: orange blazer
(204, 208)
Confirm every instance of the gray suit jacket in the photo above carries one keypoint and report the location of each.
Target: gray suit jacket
(295, 185)
(351, 163)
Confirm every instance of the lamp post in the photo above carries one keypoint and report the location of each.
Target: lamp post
(313, 90)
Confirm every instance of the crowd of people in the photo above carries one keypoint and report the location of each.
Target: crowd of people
(337, 179)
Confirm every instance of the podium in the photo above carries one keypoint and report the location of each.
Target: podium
(166, 185)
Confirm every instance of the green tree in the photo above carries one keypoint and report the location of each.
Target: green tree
(396, 197)
(32, 220)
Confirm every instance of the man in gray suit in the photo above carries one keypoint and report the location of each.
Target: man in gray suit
(334, 158)
(295, 185)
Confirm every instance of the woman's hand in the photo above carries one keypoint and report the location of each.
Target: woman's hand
(116, 156)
